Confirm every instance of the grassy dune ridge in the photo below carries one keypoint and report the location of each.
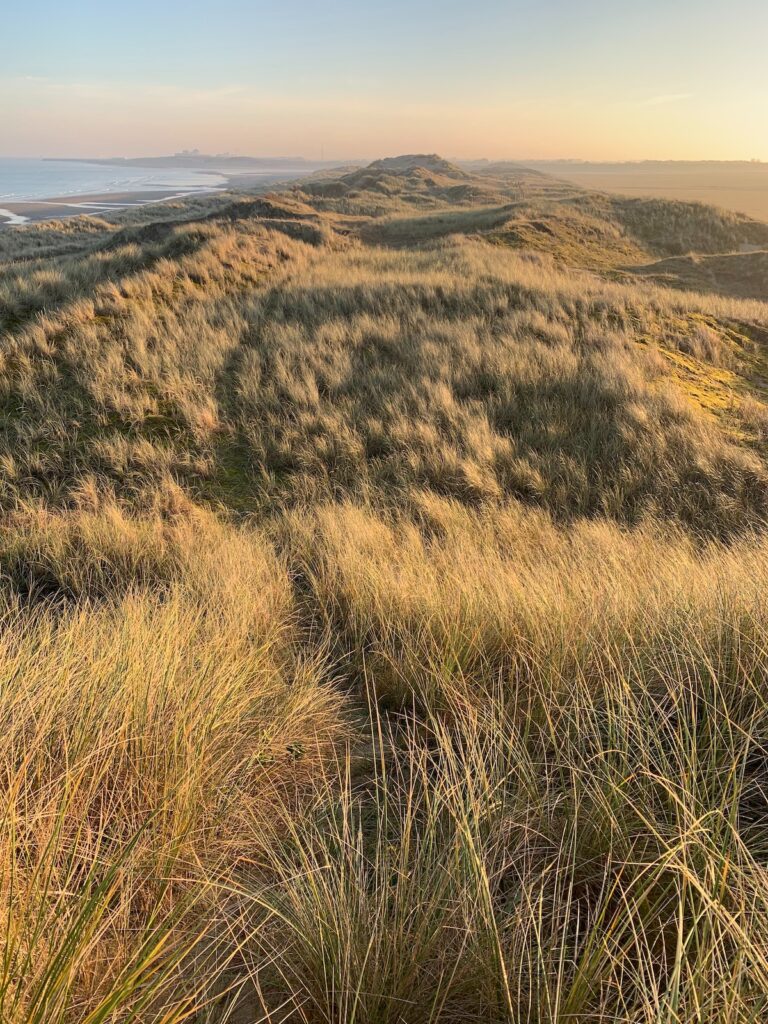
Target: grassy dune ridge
(383, 629)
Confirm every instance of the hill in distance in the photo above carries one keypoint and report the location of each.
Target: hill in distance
(431, 162)
(193, 158)
(382, 579)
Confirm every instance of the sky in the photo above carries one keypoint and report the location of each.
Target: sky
(351, 79)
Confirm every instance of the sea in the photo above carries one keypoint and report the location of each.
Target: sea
(24, 179)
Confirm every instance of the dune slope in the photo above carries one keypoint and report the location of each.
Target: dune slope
(383, 607)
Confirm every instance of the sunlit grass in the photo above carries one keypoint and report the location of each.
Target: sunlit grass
(383, 617)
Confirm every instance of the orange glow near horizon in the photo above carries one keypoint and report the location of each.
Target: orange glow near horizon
(584, 79)
(104, 121)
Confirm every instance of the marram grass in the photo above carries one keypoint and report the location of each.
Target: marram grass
(383, 617)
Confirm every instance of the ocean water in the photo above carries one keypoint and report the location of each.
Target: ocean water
(23, 179)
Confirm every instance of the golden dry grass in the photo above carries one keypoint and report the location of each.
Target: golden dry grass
(383, 630)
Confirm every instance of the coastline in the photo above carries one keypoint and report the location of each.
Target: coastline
(29, 211)
(14, 213)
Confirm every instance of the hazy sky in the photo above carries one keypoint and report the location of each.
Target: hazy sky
(601, 79)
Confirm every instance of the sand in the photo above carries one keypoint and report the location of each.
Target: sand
(32, 210)
(27, 211)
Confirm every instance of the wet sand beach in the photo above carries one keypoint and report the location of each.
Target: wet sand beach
(26, 211)
(31, 210)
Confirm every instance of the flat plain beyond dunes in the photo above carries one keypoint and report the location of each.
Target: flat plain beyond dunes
(383, 617)
(738, 185)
